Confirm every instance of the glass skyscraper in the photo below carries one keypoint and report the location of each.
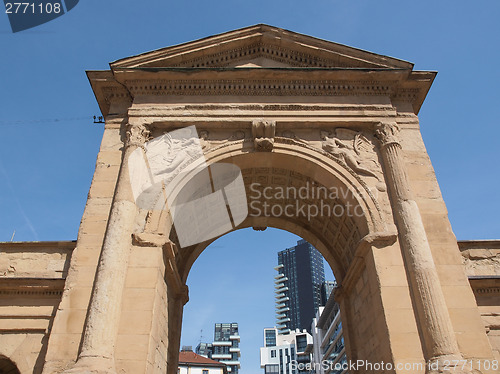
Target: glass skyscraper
(298, 287)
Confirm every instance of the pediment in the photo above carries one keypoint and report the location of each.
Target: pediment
(261, 46)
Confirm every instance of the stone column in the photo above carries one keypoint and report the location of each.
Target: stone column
(437, 334)
(101, 328)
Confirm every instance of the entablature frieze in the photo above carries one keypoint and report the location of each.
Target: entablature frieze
(261, 85)
(234, 115)
(162, 123)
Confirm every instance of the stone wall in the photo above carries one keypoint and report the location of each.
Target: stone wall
(481, 259)
(32, 277)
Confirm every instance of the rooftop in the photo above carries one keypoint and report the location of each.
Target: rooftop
(192, 358)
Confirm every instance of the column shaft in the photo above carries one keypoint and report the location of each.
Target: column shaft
(432, 314)
(101, 328)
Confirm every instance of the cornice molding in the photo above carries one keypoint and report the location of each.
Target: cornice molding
(260, 87)
(41, 246)
(282, 55)
(488, 290)
(10, 287)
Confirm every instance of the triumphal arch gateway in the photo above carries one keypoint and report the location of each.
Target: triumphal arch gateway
(281, 112)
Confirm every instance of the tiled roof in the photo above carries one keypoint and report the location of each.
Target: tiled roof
(195, 359)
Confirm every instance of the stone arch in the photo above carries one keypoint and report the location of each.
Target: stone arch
(287, 166)
(410, 281)
(341, 240)
(7, 366)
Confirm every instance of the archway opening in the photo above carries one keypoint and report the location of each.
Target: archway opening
(293, 176)
(233, 281)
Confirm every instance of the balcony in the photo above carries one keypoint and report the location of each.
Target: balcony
(281, 289)
(282, 322)
(284, 329)
(223, 344)
(234, 337)
(230, 363)
(281, 299)
(224, 356)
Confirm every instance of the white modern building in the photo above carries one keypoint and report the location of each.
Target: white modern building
(192, 363)
(329, 351)
(286, 353)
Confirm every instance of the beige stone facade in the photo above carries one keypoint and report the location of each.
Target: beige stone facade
(482, 266)
(290, 111)
(32, 277)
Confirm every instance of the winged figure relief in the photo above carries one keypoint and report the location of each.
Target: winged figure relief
(353, 148)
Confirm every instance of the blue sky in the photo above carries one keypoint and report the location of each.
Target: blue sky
(49, 143)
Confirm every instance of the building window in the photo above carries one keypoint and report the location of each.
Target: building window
(301, 343)
(270, 338)
(205, 371)
(273, 353)
(271, 369)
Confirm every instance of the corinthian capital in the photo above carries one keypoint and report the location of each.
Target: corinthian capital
(137, 135)
(387, 133)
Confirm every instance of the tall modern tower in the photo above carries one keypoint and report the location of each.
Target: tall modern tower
(298, 286)
(226, 346)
